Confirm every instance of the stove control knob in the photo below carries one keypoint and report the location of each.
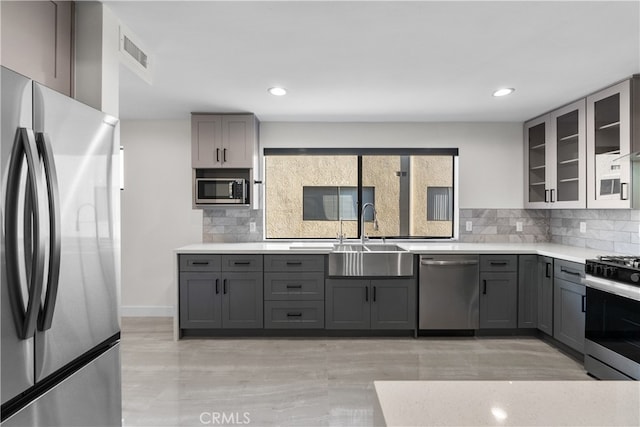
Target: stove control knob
(589, 268)
(635, 277)
(611, 272)
(599, 270)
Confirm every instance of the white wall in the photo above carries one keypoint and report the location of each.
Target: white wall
(491, 154)
(156, 204)
(156, 213)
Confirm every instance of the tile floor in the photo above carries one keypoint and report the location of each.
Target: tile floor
(304, 382)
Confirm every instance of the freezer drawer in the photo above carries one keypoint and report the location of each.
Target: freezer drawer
(90, 397)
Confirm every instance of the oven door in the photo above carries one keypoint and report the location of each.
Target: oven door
(613, 324)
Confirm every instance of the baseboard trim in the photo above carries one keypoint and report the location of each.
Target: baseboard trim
(147, 311)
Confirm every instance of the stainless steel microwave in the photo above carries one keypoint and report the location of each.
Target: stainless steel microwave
(211, 191)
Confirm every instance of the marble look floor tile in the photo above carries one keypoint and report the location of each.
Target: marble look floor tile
(304, 382)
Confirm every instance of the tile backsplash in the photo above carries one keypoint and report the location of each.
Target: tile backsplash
(231, 225)
(609, 230)
(500, 225)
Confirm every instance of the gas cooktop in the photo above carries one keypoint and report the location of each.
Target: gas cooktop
(624, 269)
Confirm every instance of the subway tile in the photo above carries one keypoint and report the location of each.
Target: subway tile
(627, 248)
(604, 245)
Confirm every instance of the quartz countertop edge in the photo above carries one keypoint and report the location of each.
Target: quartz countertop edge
(568, 253)
(507, 403)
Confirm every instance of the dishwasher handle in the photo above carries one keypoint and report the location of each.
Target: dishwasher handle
(437, 262)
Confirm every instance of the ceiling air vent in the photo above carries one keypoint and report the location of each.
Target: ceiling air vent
(134, 55)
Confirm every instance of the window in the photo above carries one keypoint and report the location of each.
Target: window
(308, 192)
(334, 203)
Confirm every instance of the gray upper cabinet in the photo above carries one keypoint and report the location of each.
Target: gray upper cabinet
(555, 156)
(37, 41)
(612, 133)
(498, 291)
(545, 294)
(224, 141)
(528, 276)
(569, 304)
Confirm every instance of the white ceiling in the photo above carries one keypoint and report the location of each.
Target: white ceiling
(376, 60)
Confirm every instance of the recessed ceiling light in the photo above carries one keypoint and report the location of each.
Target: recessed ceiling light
(504, 91)
(277, 91)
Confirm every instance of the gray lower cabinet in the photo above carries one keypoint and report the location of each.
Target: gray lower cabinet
(569, 304)
(200, 300)
(370, 304)
(498, 291)
(294, 291)
(528, 276)
(212, 297)
(242, 296)
(545, 295)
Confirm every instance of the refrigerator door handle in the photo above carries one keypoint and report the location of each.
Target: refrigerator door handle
(55, 247)
(24, 148)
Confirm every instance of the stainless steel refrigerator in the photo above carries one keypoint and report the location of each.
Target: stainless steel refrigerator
(60, 269)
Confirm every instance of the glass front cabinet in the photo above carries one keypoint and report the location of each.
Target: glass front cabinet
(555, 155)
(609, 146)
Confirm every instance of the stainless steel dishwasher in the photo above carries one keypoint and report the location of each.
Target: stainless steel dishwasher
(449, 292)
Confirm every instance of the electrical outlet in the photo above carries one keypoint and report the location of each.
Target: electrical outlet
(252, 227)
(583, 227)
(469, 226)
(518, 225)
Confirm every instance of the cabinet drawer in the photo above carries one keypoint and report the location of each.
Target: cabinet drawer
(241, 262)
(294, 314)
(498, 263)
(200, 262)
(294, 286)
(567, 270)
(294, 263)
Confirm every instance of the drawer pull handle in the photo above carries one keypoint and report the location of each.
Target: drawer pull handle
(484, 291)
(200, 263)
(574, 273)
(294, 286)
(294, 262)
(374, 294)
(498, 263)
(296, 314)
(547, 274)
(224, 286)
(241, 262)
(584, 303)
(217, 287)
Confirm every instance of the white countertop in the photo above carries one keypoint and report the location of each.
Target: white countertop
(569, 253)
(508, 403)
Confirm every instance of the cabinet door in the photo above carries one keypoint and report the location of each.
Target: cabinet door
(567, 173)
(568, 316)
(242, 299)
(36, 41)
(200, 300)
(527, 291)
(498, 300)
(206, 141)
(609, 138)
(545, 295)
(347, 304)
(238, 140)
(536, 157)
(393, 304)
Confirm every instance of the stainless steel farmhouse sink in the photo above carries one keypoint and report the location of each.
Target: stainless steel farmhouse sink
(370, 259)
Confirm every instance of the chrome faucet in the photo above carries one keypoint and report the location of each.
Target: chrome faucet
(375, 220)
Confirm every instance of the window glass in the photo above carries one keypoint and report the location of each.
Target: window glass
(309, 192)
